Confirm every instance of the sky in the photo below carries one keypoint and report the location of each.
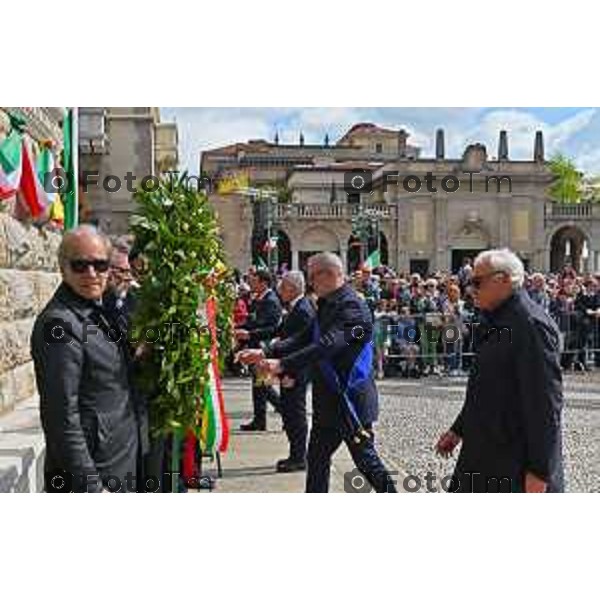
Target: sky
(574, 132)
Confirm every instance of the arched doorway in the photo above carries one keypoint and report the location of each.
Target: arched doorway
(471, 238)
(273, 253)
(315, 240)
(382, 246)
(568, 247)
(356, 253)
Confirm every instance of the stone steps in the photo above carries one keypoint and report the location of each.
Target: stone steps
(22, 449)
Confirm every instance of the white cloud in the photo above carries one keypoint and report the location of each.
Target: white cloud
(575, 135)
(521, 125)
(570, 127)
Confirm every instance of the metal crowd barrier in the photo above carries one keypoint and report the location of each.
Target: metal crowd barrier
(579, 339)
(437, 349)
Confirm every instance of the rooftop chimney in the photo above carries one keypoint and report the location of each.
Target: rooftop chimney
(503, 146)
(439, 145)
(402, 137)
(538, 148)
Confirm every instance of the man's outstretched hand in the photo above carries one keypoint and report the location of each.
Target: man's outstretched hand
(250, 356)
(270, 366)
(534, 485)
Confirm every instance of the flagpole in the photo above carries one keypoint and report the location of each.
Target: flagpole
(75, 159)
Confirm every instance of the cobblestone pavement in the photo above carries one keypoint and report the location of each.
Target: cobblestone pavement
(249, 464)
(414, 413)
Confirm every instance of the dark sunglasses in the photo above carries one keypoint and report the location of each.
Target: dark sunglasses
(81, 265)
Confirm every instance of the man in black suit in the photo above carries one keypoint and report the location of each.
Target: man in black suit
(262, 325)
(511, 423)
(119, 302)
(119, 298)
(339, 355)
(81, 369)
(298, 322)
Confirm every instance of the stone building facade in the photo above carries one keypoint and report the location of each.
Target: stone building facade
(28, 278)
(497, 202)
(28, 270)
(115, 141)
(29, 275)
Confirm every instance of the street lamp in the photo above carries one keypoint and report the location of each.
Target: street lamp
(265, 217)
(364, 223)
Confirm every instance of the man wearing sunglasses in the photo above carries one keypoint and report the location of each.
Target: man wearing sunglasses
(81, 368)
(510, 426)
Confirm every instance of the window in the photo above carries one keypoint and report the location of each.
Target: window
(378, 148)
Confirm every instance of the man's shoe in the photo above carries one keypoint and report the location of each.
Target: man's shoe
(253, 426)
(290, 466)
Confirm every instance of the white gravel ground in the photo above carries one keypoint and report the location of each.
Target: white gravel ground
(412, 416)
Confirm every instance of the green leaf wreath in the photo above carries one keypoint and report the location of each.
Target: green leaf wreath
(176, 231)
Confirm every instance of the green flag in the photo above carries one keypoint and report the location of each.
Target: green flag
(70, 146)
(260, 263)
(374, 260)
(11, 162)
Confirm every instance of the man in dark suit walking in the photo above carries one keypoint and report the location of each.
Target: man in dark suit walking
(511, 423)
(262, 325)
(81, 368)
(339, 355)
(298, 322)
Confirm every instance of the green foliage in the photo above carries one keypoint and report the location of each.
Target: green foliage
(591, 191)
(568, 185)
(176, 230)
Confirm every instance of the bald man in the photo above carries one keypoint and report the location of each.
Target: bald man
(81, 368)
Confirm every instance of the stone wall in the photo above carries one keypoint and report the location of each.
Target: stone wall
(29, 276)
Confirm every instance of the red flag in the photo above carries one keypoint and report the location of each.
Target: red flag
(31, 189)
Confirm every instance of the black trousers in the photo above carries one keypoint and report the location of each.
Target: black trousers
(261, 394)
(324, 441)
(293, 413)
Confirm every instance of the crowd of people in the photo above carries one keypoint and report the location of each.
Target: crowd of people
(296, 332)
(509, 429)
(424, 324)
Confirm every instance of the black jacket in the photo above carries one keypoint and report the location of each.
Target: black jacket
(296, 326)
(298, 321)
(341, 342)
(511, 421)
(264, 319)
(120, 312)
(86, 411)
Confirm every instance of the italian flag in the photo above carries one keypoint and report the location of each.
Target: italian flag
(11, 156)
(70, 165)
(31, 189)
(18, 174)
(215, 427)
(44, 167)
(270, 244)
(374, 260)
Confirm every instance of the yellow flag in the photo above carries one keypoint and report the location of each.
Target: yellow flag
(233, 182)
(57, 210)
